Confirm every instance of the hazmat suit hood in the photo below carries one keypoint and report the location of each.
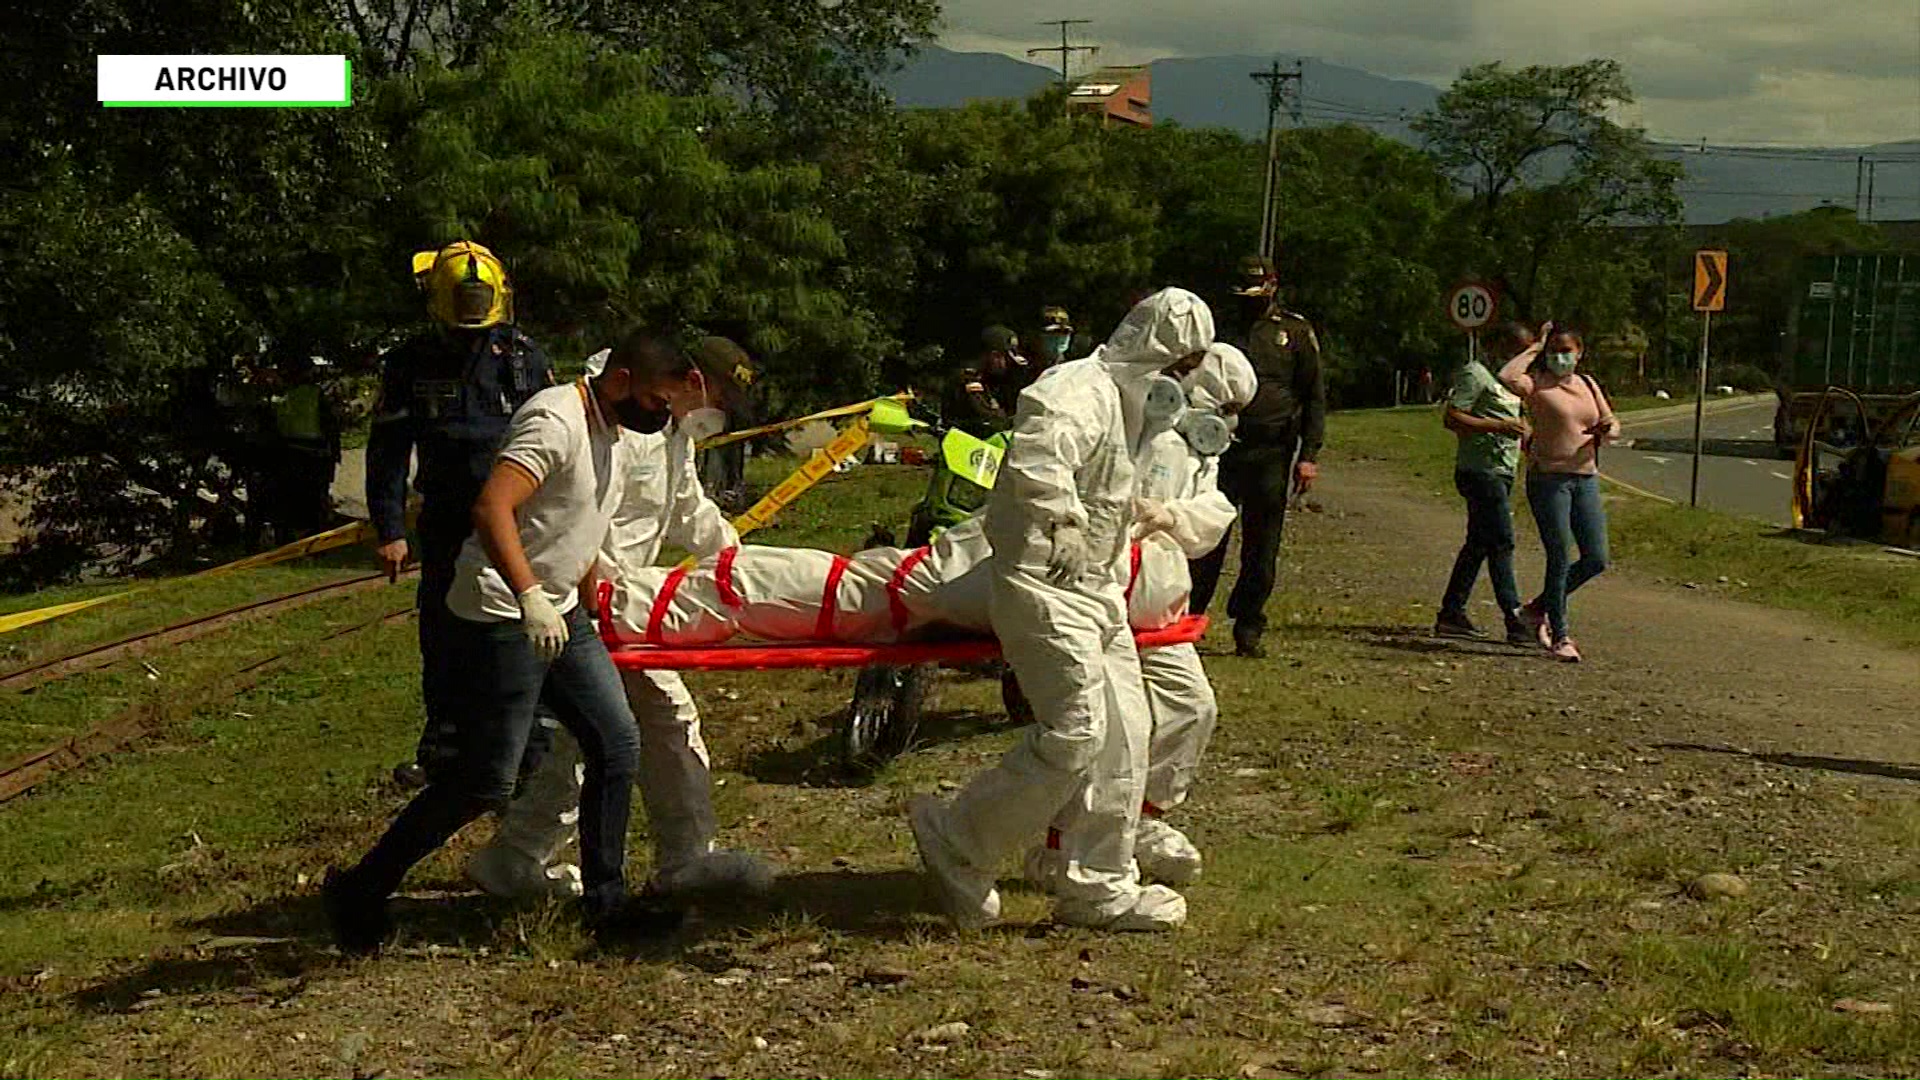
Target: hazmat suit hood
(1224, 380)
(1161, 330)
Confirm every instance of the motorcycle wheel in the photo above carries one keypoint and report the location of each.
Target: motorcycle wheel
(888, 702)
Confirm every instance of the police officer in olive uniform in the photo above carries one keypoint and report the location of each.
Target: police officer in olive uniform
(447, 394)
(1276, 445)
(723, 471)
(989, 390)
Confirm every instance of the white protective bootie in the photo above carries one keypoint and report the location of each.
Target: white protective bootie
(510, 875)
(970, 898)
(1156, 909)
(719, 873)
(1164, 853)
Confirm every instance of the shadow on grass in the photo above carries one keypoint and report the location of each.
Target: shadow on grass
(822, 762)
(269, 952)
(1856, 766)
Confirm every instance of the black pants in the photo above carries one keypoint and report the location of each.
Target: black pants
(1255, 480)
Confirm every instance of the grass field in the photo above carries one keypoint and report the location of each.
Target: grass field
(1419, 863)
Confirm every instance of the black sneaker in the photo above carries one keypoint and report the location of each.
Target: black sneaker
(1519, 633)
(646, 915)
(358, 921)
(1457, 626)
(1248, 645)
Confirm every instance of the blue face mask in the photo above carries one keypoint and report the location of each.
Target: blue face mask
(1562, 363)
(1056, 345)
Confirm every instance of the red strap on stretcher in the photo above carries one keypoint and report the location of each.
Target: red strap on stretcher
(723, 578)
(658, 616)
(816, 654)
(823, 626)
(895, 606)
(1133, 574)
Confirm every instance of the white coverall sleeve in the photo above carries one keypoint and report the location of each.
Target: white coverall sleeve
(694, 521)
(1202, 518)
(1038, 487)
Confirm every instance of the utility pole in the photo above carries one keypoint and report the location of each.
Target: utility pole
(1859, 181)
(1870, 164)
(1283, 88)
(1065, 49)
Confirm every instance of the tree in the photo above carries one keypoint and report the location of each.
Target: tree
(1362, 232)
(1548, 171)
(1766, 255)
(611, 207)
(1022, 207)
(812, 62)
(147, 251)
(1207, 184)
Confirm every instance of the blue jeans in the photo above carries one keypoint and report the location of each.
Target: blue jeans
(1489, 540)
(488, 687)
(1567, 509)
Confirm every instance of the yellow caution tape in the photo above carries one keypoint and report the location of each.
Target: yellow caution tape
(785, 425)
(19, 619)
(849, 442)
(353, 532)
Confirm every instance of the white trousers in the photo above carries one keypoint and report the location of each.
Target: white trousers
(1083, 765)
(1184, 713)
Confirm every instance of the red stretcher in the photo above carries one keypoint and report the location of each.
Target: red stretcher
(827, 654)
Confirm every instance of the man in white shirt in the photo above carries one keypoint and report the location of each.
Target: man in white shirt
(518, 636)
(663, 503)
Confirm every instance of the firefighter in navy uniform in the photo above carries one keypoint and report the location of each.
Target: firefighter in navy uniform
(446, 394)
(1276, 447)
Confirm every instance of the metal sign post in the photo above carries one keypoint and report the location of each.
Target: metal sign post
(1709, 296)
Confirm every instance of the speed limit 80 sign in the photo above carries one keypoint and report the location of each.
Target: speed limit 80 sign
(1472, 305)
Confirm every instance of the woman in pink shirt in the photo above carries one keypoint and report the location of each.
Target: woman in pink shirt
(1571, 422)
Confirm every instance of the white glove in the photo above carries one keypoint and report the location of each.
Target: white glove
(543, 624)
(1068, 561)
(1152, 516)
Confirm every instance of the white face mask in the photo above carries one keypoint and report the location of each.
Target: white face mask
(703, 423)
(1562, 363)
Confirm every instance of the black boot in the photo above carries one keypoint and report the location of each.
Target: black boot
(1247, 643)
(1456, 625)
(358, 918)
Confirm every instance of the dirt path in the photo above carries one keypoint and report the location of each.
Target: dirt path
(1663, 662)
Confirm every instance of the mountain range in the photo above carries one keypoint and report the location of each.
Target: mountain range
(1217, 91)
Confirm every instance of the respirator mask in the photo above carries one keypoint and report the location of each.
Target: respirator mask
(1165, 409)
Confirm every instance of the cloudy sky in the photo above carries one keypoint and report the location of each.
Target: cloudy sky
(1826, 72)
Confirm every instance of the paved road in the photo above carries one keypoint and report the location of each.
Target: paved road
(1740, 473)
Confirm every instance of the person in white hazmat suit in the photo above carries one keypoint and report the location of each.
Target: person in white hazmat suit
(1177, 501)
(1059, 520)
(663, 504)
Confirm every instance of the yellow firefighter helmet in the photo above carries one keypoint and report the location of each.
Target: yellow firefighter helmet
(466, 285)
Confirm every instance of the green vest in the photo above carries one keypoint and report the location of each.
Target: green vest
(297, 414)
